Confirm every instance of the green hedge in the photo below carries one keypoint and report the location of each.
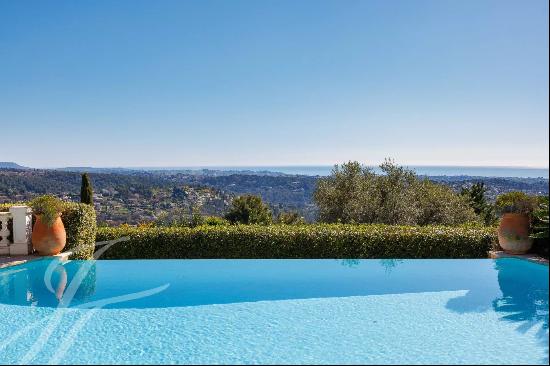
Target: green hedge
(299, 241)
(80, 224)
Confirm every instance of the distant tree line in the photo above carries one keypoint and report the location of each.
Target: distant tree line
(356, 194)
(351, 194)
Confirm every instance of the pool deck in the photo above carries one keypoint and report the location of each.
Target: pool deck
(528, 257)
(20, 259)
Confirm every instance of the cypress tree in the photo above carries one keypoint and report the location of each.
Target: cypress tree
(86, 192)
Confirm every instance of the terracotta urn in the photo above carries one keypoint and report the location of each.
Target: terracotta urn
(513, 233)
(48, 240)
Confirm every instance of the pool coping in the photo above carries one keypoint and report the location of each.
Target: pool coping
(496, 254)
(6, 262)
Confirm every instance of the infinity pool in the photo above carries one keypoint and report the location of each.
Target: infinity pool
(275, 311)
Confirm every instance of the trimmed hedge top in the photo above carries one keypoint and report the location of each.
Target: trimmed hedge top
(299, 241)
(80, 224)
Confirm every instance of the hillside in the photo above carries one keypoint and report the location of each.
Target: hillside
(10, 165)
(131, 196)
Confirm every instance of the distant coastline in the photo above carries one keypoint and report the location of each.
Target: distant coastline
(314, 170)
(139, 194)
(515, 172)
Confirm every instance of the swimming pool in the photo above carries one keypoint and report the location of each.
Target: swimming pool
(275, 311)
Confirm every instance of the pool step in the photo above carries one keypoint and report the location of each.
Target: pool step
(495, 254)
(20, 259)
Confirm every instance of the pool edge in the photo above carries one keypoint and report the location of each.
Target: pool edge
(496, 254)
(6, 262)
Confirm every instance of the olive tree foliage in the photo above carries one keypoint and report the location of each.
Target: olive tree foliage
(356, 194)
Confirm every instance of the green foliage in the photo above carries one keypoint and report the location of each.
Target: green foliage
(338, 196)
(215, 221)
(188, 219)
(300, 241)
(290, 218)
(80, 225)
(516, 202)
(86, 192)
(438, 204)
(540, 227)
(48, 207)
(197, 218)
(476, 197)
(144, 196)
(249, 209)
(178, 217)
(355, 194)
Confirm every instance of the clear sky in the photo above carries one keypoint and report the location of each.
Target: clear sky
(258, 82)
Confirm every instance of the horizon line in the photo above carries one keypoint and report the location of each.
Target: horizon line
(211, 166)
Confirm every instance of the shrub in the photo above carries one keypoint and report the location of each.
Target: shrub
(215, 221)
(80, 224)
(197, 219)
(290, 218)
(540, 228)
(476, 197)
(249, 209)
(185, 219)
(299, 241)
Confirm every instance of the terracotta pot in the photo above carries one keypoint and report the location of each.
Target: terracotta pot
(48, 240)
(513, 233)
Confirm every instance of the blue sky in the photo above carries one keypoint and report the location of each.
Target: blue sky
(194, 83)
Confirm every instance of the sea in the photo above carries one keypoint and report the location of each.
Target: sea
(324, 170)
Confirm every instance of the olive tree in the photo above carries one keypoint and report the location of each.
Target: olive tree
(356, 194)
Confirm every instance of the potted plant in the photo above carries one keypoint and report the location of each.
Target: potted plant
(48, 234)
(516, 209)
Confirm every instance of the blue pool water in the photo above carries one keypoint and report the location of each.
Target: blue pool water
(275, 311)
